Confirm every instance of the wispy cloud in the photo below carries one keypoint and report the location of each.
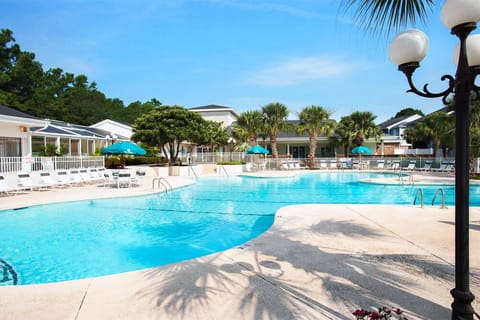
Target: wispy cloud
(265, 6)
(296, 70)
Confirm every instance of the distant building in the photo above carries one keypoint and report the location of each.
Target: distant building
(15, 136)
(226, 115)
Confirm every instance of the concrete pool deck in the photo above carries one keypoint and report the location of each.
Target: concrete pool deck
(315, 262)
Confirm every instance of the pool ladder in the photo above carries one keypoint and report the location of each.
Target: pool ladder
(162, 182)
(422, 197)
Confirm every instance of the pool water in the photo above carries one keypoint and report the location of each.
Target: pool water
(75, 240)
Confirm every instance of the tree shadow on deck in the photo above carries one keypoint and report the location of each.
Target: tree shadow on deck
(282, 277)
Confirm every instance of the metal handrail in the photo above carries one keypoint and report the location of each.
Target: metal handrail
(422, 197)
(163, 182)
(224, 170)
(194, 173)
(439, 190)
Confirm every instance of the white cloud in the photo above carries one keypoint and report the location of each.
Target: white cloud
(296, 70)
(265, 6)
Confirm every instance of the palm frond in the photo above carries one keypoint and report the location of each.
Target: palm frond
(388, 15)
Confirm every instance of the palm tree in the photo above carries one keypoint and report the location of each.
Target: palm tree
(251, 123)
(364, 126)
(345, 133)
(380, 15)
(275, 115)
(437, 127)
(314, 120)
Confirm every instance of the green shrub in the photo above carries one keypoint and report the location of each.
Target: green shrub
(231, 163)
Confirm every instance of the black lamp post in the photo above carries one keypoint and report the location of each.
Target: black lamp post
(406, 50)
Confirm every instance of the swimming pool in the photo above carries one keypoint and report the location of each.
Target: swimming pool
(65, 241)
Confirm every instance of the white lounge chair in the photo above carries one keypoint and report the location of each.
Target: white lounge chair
(296, 165)
(410, 166)
(5, 188)
(87, 176)
(76, 178)
(25, 182)
(63, 178)
(124, 179)
(381, 164)
(323, 164)
(427, 166)
(285, 166)
(47, 181)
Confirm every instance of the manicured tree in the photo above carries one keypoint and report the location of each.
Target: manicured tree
(314, 120)
(167, 127)
(275, 120)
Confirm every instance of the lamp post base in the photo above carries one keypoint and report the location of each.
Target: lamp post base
(462, 305)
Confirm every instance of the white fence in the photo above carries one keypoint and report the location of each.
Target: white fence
(31, 164)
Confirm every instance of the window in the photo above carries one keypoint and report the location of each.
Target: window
(10, 147)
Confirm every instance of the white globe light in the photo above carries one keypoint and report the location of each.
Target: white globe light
(408, 46)
(473, 51)
(456, 12)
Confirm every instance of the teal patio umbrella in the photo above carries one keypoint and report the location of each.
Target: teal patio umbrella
(257, 150)
(124, 148)
(361, 150)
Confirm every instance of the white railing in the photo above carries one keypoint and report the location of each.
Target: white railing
(31, 164)
(415, 152)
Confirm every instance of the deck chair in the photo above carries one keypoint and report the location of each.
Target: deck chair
(296, 165)
(443, 167)
(380, 164)
(124, 179)
(427, 166)
(47, 181)
(284, 166)
(5, 188)
(410, 166)
(86, 176)
(63, 178)
(323, 164)
(76, 178)
(24, 181)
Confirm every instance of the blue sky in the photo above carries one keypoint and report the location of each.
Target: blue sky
(238, 53)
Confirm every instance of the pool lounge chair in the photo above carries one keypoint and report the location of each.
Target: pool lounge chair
(380, 164)
(411, 166)
(427, 166)
(63, 178)
(47, 181)
(25, 182)
(87, 177)
(76, 178)
(297, 166)
(5, 188)
(323, 164)
(124, 180)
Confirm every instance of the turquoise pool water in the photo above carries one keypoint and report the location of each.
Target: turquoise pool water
(65, 241)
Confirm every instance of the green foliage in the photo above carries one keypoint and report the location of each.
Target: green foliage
(387, 16)
(408, 112)
(55, 94)
(248, 126)
(226, 163)
(275, 118)
(314, 120)
(167, 127)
